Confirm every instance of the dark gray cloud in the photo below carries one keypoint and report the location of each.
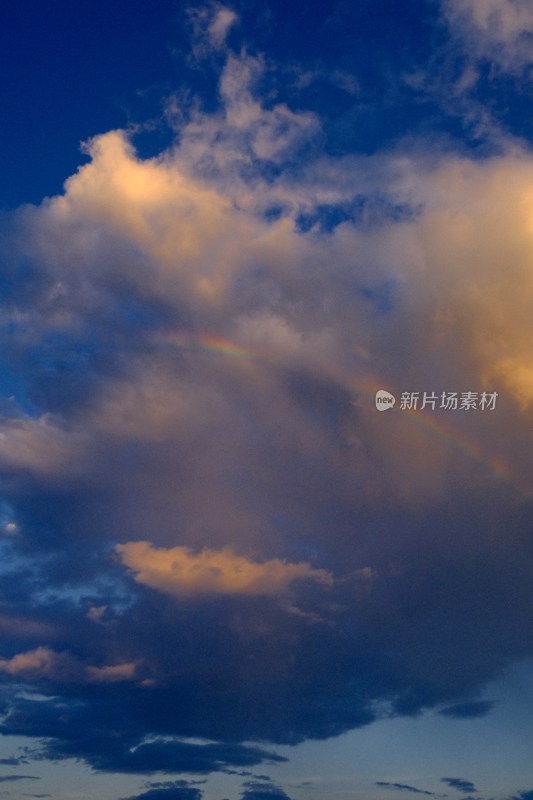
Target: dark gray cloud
(244, 773)
(169, 790)
(460, 784)
(9, 778)
(120, 746)
(263, 791)
(476, 708)
(526, 795)
(402, 787)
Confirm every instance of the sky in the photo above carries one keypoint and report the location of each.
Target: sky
(266, 400)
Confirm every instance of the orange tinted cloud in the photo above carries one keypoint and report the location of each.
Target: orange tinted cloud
(39, 662)
(43, 662)
(181, 572)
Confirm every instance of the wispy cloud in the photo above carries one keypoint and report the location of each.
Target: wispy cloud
(44, 663)
(403, 787)
(210, 24)
(462, 785)
(498, 30)
(476, 708)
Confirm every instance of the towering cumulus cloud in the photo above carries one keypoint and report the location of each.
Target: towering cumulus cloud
(214, 538)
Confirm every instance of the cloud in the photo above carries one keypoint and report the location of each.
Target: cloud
(527, 795)
(263, 791)
(244, 773)
(402, 787)
(10, 778)
(460, 784)
(220, 25)
(44, 663)
(162, 756)
(476, 708)
(199, 347)
(112, 673)
(24, 628)
(210, 25)
(169, 790)
(41, 662)
(245, 140)
(498, 30)
(97, 613)
(181, 572)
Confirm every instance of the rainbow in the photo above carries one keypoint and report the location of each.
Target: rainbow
(445, 432)
(205, 342)
(366, 386)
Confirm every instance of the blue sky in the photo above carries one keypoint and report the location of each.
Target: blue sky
(226, 574)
